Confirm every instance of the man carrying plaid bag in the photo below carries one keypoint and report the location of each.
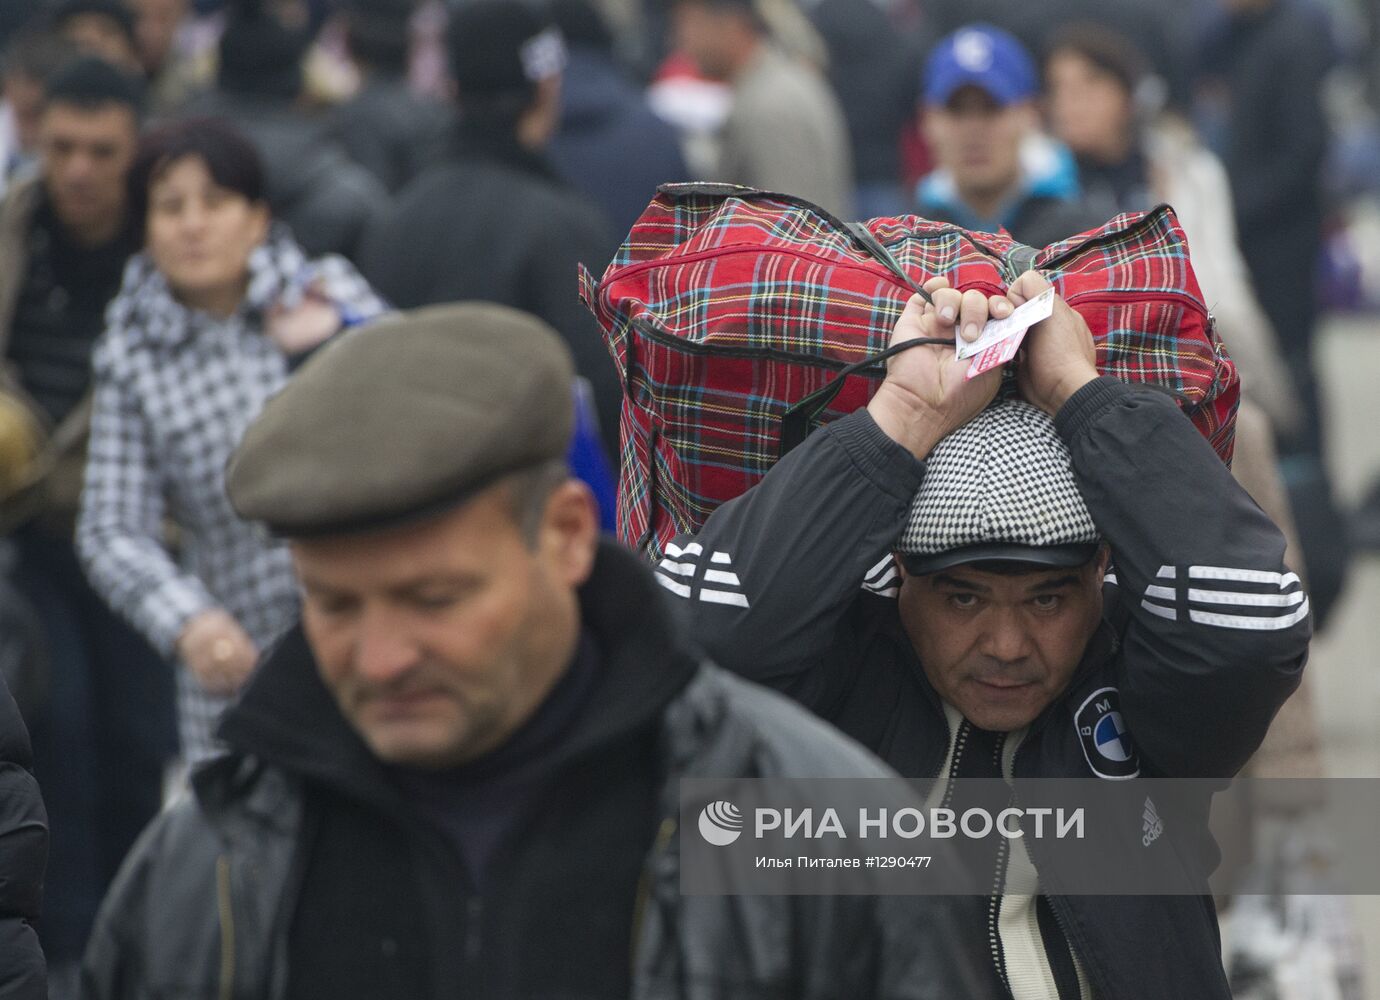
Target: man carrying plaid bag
(931, 574)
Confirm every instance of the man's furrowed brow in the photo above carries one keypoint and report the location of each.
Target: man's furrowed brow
(958, 583)
(1054, 584)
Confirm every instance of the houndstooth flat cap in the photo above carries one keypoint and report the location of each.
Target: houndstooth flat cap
(999, 488)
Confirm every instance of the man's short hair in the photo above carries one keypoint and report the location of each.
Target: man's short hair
(91, 83)
(528, 492)
(378, 33)
(120, 16)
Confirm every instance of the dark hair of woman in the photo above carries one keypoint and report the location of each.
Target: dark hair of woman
(230, 158)
(1107, 49)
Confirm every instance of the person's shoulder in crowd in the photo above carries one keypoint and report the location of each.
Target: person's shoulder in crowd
(603, 118)
(476, 207)
(390, 131)
(23, 857)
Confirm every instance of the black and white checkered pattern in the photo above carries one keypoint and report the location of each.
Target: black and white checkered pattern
(1005, 477)
(175, 390)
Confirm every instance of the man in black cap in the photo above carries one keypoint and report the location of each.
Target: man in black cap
(931, 574)
(459, 776)
(492, 220)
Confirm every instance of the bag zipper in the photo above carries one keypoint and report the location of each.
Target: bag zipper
(1131, 295)
(227, 928)
(747, 353)
(758, 251)
(1149, 220)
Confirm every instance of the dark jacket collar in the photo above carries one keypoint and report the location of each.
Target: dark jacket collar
(289, 719)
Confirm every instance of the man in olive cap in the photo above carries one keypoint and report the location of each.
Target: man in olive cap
(459, 776)
(931, 574)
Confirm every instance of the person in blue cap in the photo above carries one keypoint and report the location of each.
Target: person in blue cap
(994, 170)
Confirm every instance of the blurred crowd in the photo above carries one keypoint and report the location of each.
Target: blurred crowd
(339, 157)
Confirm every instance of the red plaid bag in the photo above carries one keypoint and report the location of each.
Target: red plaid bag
(726, 306)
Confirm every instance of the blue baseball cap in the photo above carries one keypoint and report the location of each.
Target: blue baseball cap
(980, 56)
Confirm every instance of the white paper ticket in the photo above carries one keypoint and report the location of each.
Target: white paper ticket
(1041, 307)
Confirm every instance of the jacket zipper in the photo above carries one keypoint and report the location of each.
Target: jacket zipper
(474, 935)
(227, 928)
(664, 834)
(1054, 908)
(1056, 902)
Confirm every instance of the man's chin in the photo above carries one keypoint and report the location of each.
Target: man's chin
(1002, 709)
(414, 745)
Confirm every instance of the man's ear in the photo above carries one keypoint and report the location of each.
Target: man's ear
(570, 531)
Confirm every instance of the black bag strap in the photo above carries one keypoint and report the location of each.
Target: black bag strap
(860, 232)
(797, 421)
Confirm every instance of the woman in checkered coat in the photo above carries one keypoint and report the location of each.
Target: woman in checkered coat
(211, 319)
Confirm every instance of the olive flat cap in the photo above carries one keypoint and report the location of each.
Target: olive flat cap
(405, 417)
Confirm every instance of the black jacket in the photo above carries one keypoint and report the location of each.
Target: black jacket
(872, 68)
(792, 584)
(493, 223)
(390, 131)
(1273, 62)
(611, 146)
(205, 905)
(23, 857)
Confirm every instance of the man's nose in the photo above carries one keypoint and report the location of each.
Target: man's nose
(1006, 639)
(383, 650)
(80, 167)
